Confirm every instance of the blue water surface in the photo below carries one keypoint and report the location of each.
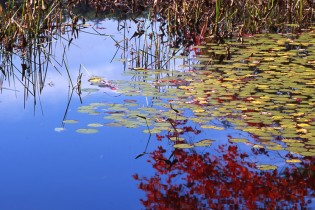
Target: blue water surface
(46, 165)
(45, 169)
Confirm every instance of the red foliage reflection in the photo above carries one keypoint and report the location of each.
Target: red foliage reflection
(189, 180)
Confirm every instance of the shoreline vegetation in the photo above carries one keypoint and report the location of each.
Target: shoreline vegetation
(218, 17)
(183, 18)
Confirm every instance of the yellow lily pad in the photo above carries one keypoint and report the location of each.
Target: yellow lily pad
(183, 146)
(266, 167)
(293, 161)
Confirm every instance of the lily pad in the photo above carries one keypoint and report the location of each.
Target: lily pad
(87, 130)
(203, 143)
(70, 121)
(95, 79)
(266, 167)
(237, 140)
(212, 127)
(293, 161)
(95, 125)
(183, 146)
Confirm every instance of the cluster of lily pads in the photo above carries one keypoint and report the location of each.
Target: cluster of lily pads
(263, 86)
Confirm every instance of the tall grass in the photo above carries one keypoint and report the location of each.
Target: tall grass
(28, 30)
(189, 17)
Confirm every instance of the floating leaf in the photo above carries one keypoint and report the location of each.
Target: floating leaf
(290, 141)
(199, 110)
(95, 125)
(97, 104)
(275, 147)
(267, 167)
(303, 125)
(177, 139)
(203, 143)
(95, 79)
(237, 140)
(293, 161)
(87, 130)
(70, 121)
(183, 146)
(257, 146)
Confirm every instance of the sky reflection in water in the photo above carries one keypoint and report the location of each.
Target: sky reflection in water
(45, 169)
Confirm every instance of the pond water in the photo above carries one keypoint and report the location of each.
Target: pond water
(46, 169)
(225, 126)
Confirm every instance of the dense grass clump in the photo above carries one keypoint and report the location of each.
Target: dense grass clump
(216, 16)
(27, 30)
(41, 18)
